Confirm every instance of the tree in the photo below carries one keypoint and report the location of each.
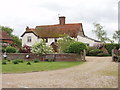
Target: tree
(41, 48)
(64, 43)
(6, 29)
(116, 36)
(17, 42)
(100, 33)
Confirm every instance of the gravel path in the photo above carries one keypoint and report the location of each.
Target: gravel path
(97, 72)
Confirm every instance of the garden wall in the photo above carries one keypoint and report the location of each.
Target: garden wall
(56, 57)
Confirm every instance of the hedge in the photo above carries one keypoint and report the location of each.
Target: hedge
(109, 47)
(10, 49)
(76, 47)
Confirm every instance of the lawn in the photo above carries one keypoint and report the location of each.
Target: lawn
(34, 67)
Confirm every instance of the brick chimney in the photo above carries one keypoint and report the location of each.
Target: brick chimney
(62, 20)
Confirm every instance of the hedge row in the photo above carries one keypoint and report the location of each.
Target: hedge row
(109, 47)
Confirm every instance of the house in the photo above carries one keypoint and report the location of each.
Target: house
(52, 33)
(5, 38)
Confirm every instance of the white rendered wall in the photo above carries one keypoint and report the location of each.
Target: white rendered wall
(34, 39)
(50, 40)
(86, 40)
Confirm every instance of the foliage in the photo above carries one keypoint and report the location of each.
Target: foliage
(28, 63)
(6, 29)
(64, 43)
(100, 33)
(10, 49)
(25, 49)
(8, 60)
(17, 41)
(3, 49)
(89, 49)
(20, 60)
(15, 62)
(41, 48)
(116, 35)
(102, 54)
(76, 47)
(4, 62)
(109, 47)
(94, 52)
(36, 61)
(117, 52)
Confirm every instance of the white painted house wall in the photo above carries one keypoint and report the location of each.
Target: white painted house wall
(34, 39)
(50, 40)
(85, 40)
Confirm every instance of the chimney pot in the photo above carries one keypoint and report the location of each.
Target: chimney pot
(27, 28)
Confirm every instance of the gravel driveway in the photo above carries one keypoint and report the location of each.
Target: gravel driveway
(97, 72)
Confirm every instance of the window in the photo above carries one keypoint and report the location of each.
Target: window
(45, 39)
(55, 39)
(87, 44)
(29, 39)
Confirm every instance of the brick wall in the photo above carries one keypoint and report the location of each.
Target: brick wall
(56, 57)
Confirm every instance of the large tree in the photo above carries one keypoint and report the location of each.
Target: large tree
(6, 29)
(116, 36)
(100, 33)
(17, 42)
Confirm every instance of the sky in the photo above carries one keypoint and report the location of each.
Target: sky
(18, 14)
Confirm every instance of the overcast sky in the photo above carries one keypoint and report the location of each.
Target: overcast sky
(18, 14)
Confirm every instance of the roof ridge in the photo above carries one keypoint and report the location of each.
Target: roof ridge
(59, 24)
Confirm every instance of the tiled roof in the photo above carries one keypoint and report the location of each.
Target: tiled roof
(54, 31)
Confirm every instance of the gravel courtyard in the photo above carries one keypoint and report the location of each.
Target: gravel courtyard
(97, 72)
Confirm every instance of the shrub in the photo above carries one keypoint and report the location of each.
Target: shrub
(64, 43)
(89, 49)
(41, 48)
(4, 62)
(3, 50)
(95, 52)
(15, 62)
(28, 63)
(21, 61)
(25, 49)
(76, 47)
(8, 60)
(10, 49)
(102, 54)
(36, 61)
(109, 47)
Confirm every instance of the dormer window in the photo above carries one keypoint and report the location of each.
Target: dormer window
(29, 39)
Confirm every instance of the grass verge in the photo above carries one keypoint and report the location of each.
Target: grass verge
(34, 67)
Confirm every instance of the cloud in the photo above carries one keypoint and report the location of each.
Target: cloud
(18, 14)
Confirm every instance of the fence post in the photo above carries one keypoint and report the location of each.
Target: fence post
(84, 54)
(112, 54)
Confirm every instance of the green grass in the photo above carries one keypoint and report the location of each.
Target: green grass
(34, 67)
